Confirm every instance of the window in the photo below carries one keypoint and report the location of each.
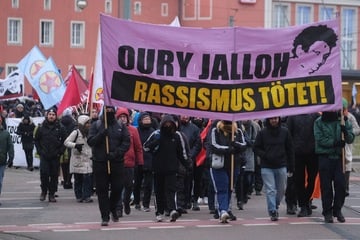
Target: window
(327, 13)
(164, 9)
(348, 38)
(9, 68)
(81, 70)
(303, 14)
(197, 9)
(14, 31)
(15, 3)
(137, 8)
(108, 6)
(46, 32)
(77, 34)
(281, 15)
(47, 4)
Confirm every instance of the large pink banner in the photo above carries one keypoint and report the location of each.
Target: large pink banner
(221, 73)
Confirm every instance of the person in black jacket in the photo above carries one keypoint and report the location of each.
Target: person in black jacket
(274, 146)
(144, 176)
(49, 141)
(109, 141)
(301, 128)
(168, 147)
(26, 130)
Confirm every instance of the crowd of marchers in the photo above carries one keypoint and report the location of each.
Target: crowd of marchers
(124, 156)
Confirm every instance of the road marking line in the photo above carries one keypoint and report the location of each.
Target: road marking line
(86, 223)
(44, 224)
(304, 223)
(259, 224)
(167, 227)
(70, 230)
(116, 229)
(21, 208)
(139, 221)
(23, 231)
(212, 226)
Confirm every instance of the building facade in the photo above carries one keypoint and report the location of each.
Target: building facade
(69, 34)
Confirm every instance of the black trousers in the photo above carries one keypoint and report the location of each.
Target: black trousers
(143, 181)
(310, 164)
(108, 186)
(49, 173)
(332, 184)
(29, 157)
(126, 188)
(165, 192)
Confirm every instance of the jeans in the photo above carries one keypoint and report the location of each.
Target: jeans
(2, 173)
(275, 184)
(82, 185)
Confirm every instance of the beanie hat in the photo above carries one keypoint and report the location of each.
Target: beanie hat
(53, 110)
(82, 119)
(19, 105)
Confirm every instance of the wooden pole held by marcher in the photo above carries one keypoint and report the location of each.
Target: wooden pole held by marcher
(343, 160)
(107, 141)
(232, 158)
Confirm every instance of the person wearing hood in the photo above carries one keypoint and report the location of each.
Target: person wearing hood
(169, 150)
(227, 142)
(274, 146)
(49, 142)
(133, 158)
(109, 140)
(330, 139)
(143, 176)
(80, 160)
(26, 130)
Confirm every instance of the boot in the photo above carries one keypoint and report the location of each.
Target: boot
(42, 196)
(52, 198)
(195, 206)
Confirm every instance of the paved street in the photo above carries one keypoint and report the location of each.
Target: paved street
(23, 216)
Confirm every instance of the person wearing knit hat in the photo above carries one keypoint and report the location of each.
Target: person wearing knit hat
(49, 142)
(80, 160)
(19, 111)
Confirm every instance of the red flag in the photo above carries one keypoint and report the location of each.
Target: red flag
(71, 96)
(200, 158)
(82, 85)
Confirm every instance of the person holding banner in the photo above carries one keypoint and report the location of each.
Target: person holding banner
(26, 130)
(274, 146)
(109, 140)
(227, 142)
(6, 152)
(331, 134)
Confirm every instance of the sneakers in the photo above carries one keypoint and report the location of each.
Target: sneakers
(274, 215)
(195, 207)
(146, 209)
(87, 200)
(42, 196)
(104, 223)
(114, 216)
(232, 217)
(52, 198)
(303, 212)
(291, 209)
(137, 207)
(339, 217)
(224, 216)
(328, 218)
(159, 218)
(174, 215)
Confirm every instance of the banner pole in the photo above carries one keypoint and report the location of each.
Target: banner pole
(106, 141)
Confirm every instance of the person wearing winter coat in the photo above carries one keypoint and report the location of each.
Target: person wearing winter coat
(274, 146)
(133, 158)
(143, 175)
(109, 140)
(169, 151)
(26, 130)
(230, 150)
(80, 160)
(49, 142)
(6, 152)
(330, 139)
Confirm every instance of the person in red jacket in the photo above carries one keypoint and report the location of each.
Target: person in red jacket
(132, 158)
